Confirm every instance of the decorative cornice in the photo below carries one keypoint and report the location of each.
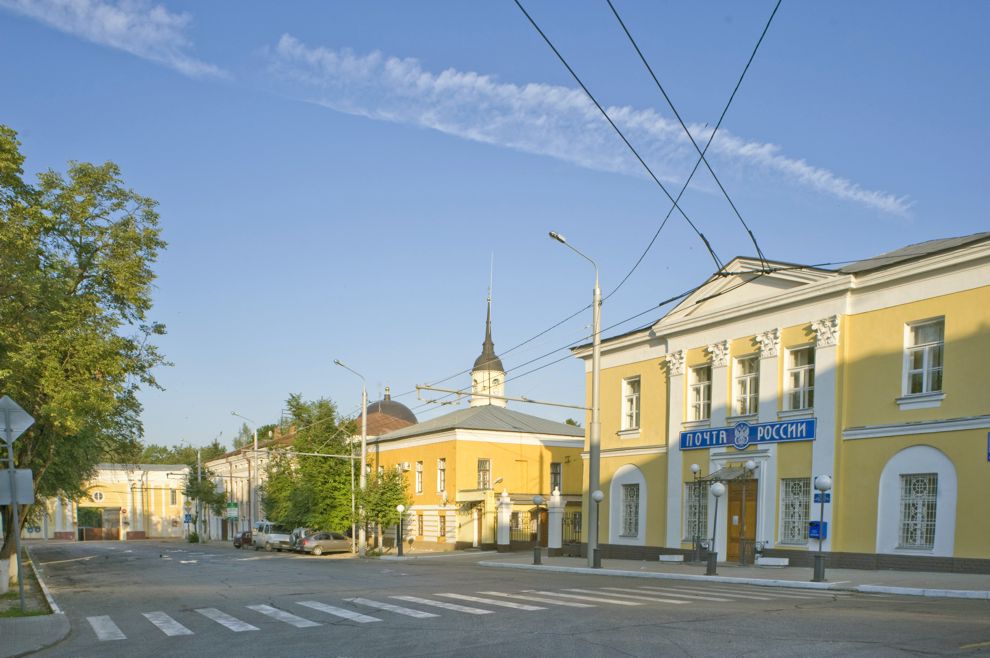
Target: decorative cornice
(827, 330)
(769, 342)
(921, 427)
(675, 363)
(719, 353)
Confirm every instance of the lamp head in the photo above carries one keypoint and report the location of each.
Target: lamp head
(750, 465)
(695, 469)
(558, 237)
(597, 496)
(718, 489)
(337, 362)
(537, 500)
(823, 483)
(400, 508)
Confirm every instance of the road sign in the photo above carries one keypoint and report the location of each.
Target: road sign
(13, 420)
(187, 519)
(818, 529)
(232, 512)
(23, 488)
(827, 495)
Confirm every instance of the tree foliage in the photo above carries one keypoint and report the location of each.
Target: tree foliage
(308, 490)
(385, 491)
(76, 252)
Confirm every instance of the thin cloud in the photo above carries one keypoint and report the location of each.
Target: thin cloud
(536, 118)
(134, 26)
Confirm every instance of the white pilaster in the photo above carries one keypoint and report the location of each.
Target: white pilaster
(823, 447)
(555, 520)
(675, 391)
(720, 400)
(766, 510)
(504, 519)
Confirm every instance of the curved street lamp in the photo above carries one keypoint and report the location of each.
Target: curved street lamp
(717, 490)
(823, 484)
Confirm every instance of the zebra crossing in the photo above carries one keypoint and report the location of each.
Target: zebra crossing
(363, 610)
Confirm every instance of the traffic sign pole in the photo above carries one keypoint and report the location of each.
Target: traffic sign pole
(15, 421)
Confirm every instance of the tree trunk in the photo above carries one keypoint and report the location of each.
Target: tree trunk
(7, 550)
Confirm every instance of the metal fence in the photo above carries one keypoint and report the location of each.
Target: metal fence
(572, 528)
(522, 527)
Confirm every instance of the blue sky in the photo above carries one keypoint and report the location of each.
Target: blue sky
(334, 178)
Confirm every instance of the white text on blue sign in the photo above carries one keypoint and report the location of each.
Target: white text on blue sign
(742, 434)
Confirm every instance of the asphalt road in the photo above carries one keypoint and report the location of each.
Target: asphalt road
(171, 599)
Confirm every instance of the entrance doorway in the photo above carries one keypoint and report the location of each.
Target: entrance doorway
(741, 521)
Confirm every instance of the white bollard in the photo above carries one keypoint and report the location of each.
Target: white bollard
(555, 521)
(504, 536)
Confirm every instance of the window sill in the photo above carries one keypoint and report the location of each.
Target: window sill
(697, 424)
(631, 433)
(796, 413)
(748, 418)
(920, 401)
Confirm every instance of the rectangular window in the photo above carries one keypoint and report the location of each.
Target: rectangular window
(172, 496)
(801, 378)
(484, 474)
(630, 510)
(919, 497)
(923, 357)
(419, 478)
(747, 386)
(514, 521)
(442, 529)
(419, 525)
(795, 502)
(700, 394)
(695, 510)
(556, 477)
(630, 403)
(441, 474)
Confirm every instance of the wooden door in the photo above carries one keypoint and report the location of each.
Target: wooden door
(741, 517)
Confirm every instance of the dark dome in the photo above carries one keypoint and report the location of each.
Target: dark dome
(387, 415)
(392, 408)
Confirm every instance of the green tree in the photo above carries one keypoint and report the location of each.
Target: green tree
(76, 343)
(312, 489)
(385, 491)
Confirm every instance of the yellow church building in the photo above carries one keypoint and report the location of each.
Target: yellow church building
(771, 375)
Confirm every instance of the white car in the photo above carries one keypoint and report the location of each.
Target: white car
(270, 536)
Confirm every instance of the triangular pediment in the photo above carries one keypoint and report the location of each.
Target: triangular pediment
(746, 281)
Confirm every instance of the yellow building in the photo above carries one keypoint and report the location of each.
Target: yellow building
(772, 375)
(457, 464)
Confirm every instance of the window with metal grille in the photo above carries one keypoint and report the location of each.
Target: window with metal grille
(919, 498)
(442, 531)
(801, 378)
(630, 510)
(700, 394)
(484, 474)
(630, 403)
(923, 357)
(695, 510)
(441, 474)
(419, 525)
(171, 497)
(556, 477)
(419, 478)
(795, 502)
(747, 386)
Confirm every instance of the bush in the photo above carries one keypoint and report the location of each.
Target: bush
(193, 537)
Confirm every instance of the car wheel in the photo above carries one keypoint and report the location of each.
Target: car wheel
(318, 551)
(256, 547)
(268, 547)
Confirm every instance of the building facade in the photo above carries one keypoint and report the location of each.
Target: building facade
(773, 374)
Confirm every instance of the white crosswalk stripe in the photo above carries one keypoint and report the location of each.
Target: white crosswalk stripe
(537, 599)
(503, 604)
(224, 619)
(680, 595)
(339, 612)
(284, 616)
(596, 599)
(166, 624)
(719, 593)
(397, 609)
(105, 629)
(443, 604)
(777, 594)
(637, 597)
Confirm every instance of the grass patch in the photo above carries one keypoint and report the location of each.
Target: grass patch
(16, 612)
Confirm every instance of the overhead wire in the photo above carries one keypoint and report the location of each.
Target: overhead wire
(701, 154)
(622, 136)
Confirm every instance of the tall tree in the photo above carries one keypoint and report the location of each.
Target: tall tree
(386, 490)
(76, 253)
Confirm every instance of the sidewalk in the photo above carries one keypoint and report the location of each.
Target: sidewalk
(23, 635)
(908, 583)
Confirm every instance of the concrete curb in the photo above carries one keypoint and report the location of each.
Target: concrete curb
(26, 635)
(761, 582)
(44, 588)
(925, 591)
(427, 556)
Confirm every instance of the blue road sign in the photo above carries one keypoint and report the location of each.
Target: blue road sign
(819, 494)
(815, 526)
(188, 518)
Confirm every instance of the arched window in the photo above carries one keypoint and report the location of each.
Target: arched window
(916, 507)
(627, 507)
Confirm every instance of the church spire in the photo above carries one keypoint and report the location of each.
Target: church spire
(488, 374)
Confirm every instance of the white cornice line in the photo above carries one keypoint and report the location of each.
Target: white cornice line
(630, 452)
(912, 268)
(923, 427)
(530, 440)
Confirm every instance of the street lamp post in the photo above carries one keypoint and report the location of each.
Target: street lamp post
(537, 551)
(398, 528)
(718, 490)
(695, 469)
(362, 476)
(823, 483)
(597, 496)
(594, 432)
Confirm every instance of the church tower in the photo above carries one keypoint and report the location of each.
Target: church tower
(488, 375)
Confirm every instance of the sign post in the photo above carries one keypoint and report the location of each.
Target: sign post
(15, 422)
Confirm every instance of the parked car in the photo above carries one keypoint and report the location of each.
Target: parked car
(270, 536)
(242, 539)
(325, 542)
(296, 537)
